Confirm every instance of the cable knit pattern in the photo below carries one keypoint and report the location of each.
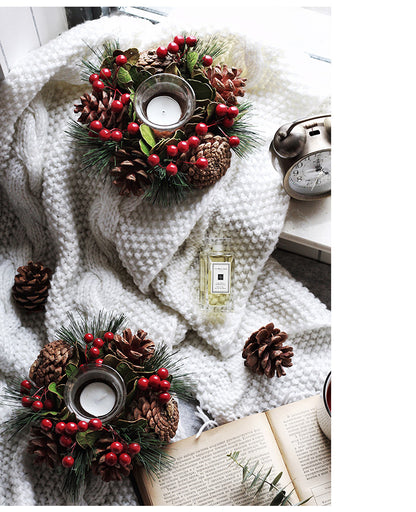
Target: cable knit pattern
(127, 256)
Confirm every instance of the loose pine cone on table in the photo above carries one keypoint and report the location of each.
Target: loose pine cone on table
(150, 61)
(227, 83)
(163, 419)
(134, 348)
(44, 445)
(216, 150)
(31, 286)
(101, 468)
(264, 352)
(50, 363)
(97, 107)
(130, 173)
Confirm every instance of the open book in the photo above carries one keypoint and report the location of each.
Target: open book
(288, 437)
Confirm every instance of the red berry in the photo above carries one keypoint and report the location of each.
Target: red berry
(48, 404)
(162, 52)
(27, 401)
(202, 163)
(179, 40)
(233, 141)
(105, 134)
(207, 60)
(95, 424)
(121, 60)
(117, 106)
(60, 427)
(154, 381)
(95, 126)
(111, 459)
(65, 441)
(99, 362)
(37, 405)
(98, 85)
(134, 448)
(133, 128)
(164, 398)
(93, 78)
(88, 337)
(232, 111)
(125, 98)
(94, 352)
(164, 385)
(221, 110)
(68, 461)
(105, 73)
(82, 426)
(98, 342)
(201, 129)
(46, 424)
(108, 336)
(193, 141)
(116, 447)
(36, 397)
(173, 47)
(191, 40)
(71, 428)
(25, 386)
(153, 160)
(163, 373)
(143, 383)
(116, 135)
(183, 146)
(172, 150)
(124, 459)
(171, 169)
(228, 122)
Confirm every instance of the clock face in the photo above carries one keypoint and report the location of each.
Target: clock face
(311, 176)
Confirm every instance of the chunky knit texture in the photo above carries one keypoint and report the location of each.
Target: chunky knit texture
(126, 256)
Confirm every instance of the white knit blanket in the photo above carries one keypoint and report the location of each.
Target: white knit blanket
(127, 256)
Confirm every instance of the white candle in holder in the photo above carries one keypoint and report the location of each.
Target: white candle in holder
(163, 110)
(97, 398)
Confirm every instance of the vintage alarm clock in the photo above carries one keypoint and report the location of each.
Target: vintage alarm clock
(303, 150)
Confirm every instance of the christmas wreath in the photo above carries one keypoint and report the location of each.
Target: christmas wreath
(98, 398)
(114, 132)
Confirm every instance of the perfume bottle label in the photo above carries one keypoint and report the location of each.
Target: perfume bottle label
(221, 277)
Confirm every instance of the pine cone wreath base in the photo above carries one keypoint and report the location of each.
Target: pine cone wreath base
(31, 286)
(50, 363)
(265, 354)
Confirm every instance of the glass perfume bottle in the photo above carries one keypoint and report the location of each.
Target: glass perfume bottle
(216, 266)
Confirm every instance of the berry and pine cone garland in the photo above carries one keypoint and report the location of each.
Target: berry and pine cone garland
(97, 107)
(134, 348)
(50, 363)
(265, 353)
(31, 286)
(104, 467)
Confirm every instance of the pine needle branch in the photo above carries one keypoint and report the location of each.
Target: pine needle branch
(93, 64)
(75, 478)
(213, 46)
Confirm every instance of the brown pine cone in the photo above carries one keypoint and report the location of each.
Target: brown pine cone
(44, 445)
(149, 61)
(264, 352)
(99, 466)
(31, 286)
(134, 348)
(97, 107)
(227, 83)
(50, 363)
(161, 418)
(216, 150)
(130, 172)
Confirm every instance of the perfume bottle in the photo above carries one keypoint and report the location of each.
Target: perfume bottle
(216, 267)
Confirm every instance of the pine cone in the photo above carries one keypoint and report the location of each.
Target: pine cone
(44, 445)
(135, 348)
(31, 285)
(227, 83)
(97, 106)
(265, 354)
(130, 172)
(216, 150)
(161, 418)
(149, 61)
(99, 466)
(50, 363)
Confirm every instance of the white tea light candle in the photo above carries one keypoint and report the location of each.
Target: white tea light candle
(163, 111)
(97, 399)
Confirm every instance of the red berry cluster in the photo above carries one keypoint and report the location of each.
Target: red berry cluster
(157, 382)
(121, 452)
(174, 151)
(36, 401)
(97, 344)
(178, 47)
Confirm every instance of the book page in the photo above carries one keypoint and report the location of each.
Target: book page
(202, 474)
(305, 449)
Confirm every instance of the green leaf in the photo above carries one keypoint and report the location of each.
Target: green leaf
(139, 76)
(124, 77)
(277, 500)
(200, 76)
(147, 134)
(191, 60)
(172, 69)
(277, 478)
(87, 439)
(131, 394)
(143, 146)
(125, 371)
(53, 389)
(111, 360)
(211, 110)
(202, 91)
(132, 55)
(71, 370)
